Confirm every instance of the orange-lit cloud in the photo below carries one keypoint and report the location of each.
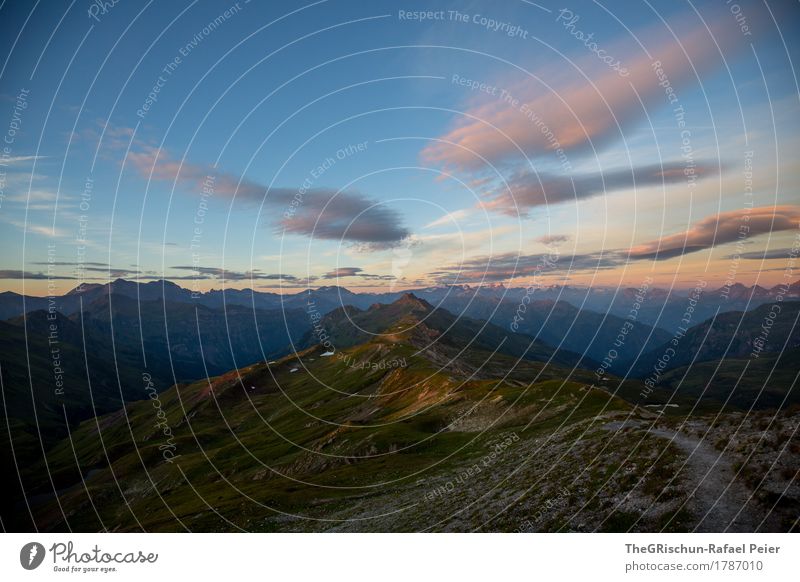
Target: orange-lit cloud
(719, 229)
(527, 190)
(581, 112)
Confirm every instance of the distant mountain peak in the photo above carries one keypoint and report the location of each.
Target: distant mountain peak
(332, 289)
(84, 287)
(411, 300)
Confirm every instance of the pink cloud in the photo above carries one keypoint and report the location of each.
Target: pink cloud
(719, 229)
(526, 190)
(583, 112)
(150, 161)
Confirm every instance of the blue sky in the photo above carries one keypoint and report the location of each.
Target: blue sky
(355, 144)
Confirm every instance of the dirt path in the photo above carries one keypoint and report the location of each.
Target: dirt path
(717, 495)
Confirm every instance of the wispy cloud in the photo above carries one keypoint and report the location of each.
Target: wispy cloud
(578, 113)
(552, 239)
(719, 229)
(318, 212)
(450, 218)
(228, 275)
(714, 230)
(70, 264)
(765, 255)
(15, 274)
(527, 190)
(509, 266)
(40, 229)
(342, 272)
(19, 160)
(33, 196)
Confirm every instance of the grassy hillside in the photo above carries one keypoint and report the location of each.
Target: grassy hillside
(312, 442)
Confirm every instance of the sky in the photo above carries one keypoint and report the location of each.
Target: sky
(393, 145)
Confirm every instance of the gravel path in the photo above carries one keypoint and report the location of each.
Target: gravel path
(716, 495)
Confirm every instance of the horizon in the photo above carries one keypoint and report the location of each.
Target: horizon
(382, 290)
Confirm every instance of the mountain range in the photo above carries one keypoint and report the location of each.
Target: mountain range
(283, 402)
(404, 417)
(126, 329)
(661, 304)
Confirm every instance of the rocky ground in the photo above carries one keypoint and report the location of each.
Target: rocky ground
(615, 472)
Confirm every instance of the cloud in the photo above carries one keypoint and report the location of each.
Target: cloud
(344, 216)
(711, 231)
(14, 274)
(343, 272)
(82, 268)
(578, 113)
(550, 239)
(70, 264)
(720, 229)
(227, 275)
(152, 163)
(107, 137)
(33, 196)
(507, 266)
(765, 255)
(446, 219)
(39, 229)
(19, 160)
(527, 190)
(316, 212)
(114, 273)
